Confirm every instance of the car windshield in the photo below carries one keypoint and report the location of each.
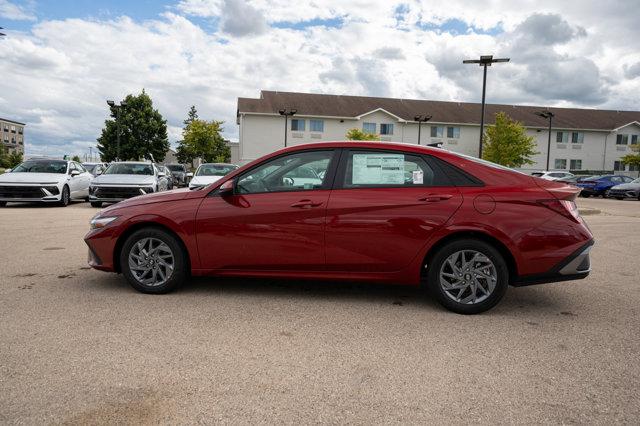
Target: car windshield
(129, 169)
(176, 167)
(214, 170)
(537, 174)
(41, 166)
(90, 167)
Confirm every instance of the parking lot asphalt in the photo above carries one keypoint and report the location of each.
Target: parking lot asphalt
(80, 346)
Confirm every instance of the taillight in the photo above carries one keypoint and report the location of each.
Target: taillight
(566, 208)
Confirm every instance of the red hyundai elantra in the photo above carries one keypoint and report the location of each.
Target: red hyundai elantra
(371, 211)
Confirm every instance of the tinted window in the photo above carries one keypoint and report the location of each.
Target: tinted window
(294, 172)
(214, 170)
(129, 169)
(385, 168)
(41, 166)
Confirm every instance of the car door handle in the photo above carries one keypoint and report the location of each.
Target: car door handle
(306, 204)
(432, 198)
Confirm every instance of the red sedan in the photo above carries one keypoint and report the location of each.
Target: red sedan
(371, 211)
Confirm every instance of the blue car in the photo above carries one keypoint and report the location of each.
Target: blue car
(599, 185)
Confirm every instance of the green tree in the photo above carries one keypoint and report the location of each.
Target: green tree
(13, 160)
(76, 159)
(506, 142)
(633, 159)
(184, 152)
(4, 158)
(361, 135)
(143, 131)
(202, 139)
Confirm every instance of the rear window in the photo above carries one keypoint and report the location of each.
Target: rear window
(129, 169)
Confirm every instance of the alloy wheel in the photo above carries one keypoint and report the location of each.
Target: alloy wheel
(468, 277)
(151, 262)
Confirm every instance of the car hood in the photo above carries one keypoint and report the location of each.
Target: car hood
(124, 180)
(627, 186)
(19, 177)
(204, 180)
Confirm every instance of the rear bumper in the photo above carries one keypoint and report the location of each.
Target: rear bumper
(591, 191)
(576, 266)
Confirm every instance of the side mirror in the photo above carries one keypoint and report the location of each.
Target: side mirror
(7, 170)
(189, 174)
(226, 188)
(74, 173)
(99, 172)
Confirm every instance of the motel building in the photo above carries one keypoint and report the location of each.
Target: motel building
(581, 139)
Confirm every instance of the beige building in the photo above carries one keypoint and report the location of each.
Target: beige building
(581, 139)
(12, 135)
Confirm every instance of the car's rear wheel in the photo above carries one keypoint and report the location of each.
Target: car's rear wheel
(468, 276)
(153, 261)
(96, 204)
(3, 203)
(65, 197)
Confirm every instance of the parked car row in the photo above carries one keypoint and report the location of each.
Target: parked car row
(606, 186)
(60, 181)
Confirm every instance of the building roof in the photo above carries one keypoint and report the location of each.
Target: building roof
(12, 121)
(443, 112)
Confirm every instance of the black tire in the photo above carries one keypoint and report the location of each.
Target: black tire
(619, 198)
(65, 197)
(3, 203)
(96, 204)
(585, 195)
(180, 271)
(438, 259)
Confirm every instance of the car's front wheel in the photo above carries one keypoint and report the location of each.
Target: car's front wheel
(96, 204)
(468, 276)
(153, 261)
(65, 197)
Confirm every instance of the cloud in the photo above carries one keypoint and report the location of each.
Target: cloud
(240, 19)
(57, 76)
(12, 11)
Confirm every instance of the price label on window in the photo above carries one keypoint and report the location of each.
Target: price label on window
(378, 169)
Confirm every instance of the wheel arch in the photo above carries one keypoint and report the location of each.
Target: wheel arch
(476, 235)
(141, 225)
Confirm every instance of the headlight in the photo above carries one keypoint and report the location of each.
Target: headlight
(100, 222)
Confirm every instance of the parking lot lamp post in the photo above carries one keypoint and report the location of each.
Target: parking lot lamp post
(287, 112)
(484, 61)
(421, 119)
(113, 105)
(548, 115)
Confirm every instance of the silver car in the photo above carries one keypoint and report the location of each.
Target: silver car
(625, 190)
(125, 180)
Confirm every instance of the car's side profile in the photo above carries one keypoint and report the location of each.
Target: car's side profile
(553, 175)
(382, 212)
(45, 180)
(599, 185)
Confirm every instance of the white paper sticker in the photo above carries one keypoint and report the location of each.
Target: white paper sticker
(418, 177)
(378, 169)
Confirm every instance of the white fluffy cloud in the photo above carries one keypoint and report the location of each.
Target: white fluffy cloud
(57, 76)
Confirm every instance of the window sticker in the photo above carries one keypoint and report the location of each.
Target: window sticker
(378, 169)
(418, 177)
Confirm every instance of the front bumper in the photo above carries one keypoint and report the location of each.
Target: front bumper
(114, 194)
(624, 193)
(30, 193)
(576, 266)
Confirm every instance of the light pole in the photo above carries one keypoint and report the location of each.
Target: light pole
(484, 61)
(287, 112)
(548, 115)
(421, 119)
(113, 105)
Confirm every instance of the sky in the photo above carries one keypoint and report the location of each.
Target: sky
(62, 59)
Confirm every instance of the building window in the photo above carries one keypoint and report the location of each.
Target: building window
(316, 125)
(634, 139)
(622, 139)
(13, 129)
(577, 137)
(369, 127)
(437, 131)
(562, 137)
(20, 130)
(297, 125)
(386, 129)
(560, 164)
(575, 165)
(618, 166)
(453, 132)
(634, 168)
